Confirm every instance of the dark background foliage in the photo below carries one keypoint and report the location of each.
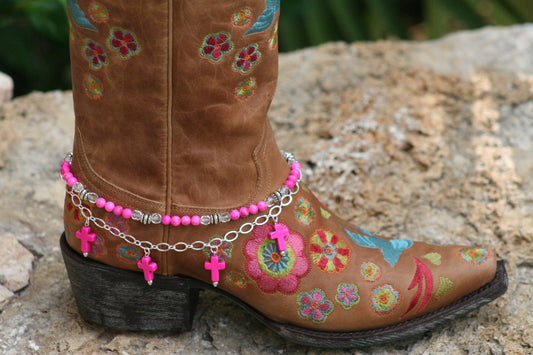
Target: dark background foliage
(34, 33)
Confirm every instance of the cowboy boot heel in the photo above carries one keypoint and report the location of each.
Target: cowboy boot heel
(121, 299)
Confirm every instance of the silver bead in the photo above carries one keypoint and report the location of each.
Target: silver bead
(77, 187)
(136, 215)
(225, 217)
(205, 220)
(145, 219)
(68, 157)
(155, 218)
(271, 200)
(91, 197)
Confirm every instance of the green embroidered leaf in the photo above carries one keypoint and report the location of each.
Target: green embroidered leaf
(325, 213)
(433, 257)
(445, 286)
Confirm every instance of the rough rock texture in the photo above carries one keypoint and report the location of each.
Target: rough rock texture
(431, 140)
(16, 263)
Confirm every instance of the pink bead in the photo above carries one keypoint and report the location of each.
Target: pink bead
(166, 220)
(126, 213)
(64, 163)
(109, 206)
(67, 176)
(296, 165)
(175, 220)
(253, 209)
(185, 220)
(290, 184)
(292, 178)
(118, 210)
(72, 181)
(100, 203)
(244, 212)
(235, 215)
(296, 172)
(195, 220)
(261, 205)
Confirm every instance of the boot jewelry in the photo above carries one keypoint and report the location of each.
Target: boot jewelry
(86, 238)
(148, 267)
(275, 202)
(156, 218)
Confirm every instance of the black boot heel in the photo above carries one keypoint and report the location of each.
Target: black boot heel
(121, 299)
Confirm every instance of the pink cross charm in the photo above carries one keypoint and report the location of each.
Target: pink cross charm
(215, 266)
(86, 237)
(148, 267)
(279, 234)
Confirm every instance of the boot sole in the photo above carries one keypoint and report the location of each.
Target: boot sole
(121, 299)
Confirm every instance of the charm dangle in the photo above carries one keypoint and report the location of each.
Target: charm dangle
(279, 234)
(215, 266)
(86, 237)
(148, 267)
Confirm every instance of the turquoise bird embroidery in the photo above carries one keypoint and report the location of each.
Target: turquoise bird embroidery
(79, 16)
(391, 249)
(265, 20)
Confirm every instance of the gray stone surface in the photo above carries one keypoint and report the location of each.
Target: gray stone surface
(431, 140)
(16, 263)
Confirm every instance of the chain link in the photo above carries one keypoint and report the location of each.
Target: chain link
(213, 245)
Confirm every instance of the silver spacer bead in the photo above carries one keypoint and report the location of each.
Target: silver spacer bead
(145, 219)
(68, 157)
(83, 194)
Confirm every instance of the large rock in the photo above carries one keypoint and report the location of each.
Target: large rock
(16, 263)
(431, 140)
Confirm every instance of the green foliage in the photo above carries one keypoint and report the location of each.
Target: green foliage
(311, 22)
(34, 44)
(34, 33)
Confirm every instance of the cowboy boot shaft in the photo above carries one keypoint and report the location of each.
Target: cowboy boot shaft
(171, 100)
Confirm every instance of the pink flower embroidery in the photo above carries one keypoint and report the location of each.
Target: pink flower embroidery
(314, 306)
(215, 46)
(268, 267)
(95, 54)
(247, 58)
(123, 42)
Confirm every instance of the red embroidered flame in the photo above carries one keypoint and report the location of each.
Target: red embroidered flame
(422, 275)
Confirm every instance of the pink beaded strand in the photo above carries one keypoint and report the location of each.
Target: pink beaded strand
(195, 220)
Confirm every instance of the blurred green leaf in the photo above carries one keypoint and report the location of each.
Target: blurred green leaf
(34, 33)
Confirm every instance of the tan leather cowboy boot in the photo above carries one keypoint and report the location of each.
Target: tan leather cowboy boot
(176, 185)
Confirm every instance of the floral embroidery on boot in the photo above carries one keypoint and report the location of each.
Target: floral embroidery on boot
(124, 42)
(214, 46)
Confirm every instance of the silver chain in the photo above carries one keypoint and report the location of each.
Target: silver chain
(230, 237)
